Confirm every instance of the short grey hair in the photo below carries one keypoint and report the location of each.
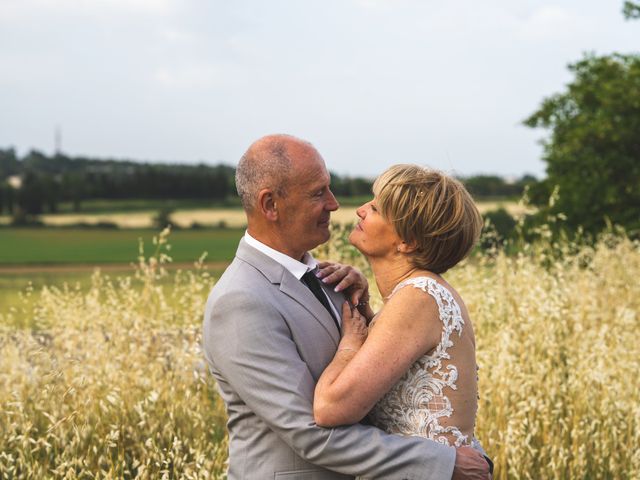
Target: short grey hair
(264, 165)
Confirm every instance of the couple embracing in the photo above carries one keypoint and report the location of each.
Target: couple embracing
(318, 386)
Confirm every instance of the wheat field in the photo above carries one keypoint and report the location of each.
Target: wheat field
(111, 383)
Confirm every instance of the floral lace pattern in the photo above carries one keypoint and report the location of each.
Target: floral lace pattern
(414, 405)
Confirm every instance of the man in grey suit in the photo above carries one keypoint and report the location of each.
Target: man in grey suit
(267, 338)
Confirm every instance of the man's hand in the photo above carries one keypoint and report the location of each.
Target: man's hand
(470, 464)
(351, 281)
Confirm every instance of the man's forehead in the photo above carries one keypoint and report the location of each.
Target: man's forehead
(303, 152)
(311, 176)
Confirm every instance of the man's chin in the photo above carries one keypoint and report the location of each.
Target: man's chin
(323, 234)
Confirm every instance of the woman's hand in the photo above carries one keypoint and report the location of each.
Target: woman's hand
(326, 396)
(354, 329)
(351, 281)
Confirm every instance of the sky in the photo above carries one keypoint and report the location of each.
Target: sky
(369, 82)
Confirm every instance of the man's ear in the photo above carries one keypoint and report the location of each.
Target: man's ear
(267, 204)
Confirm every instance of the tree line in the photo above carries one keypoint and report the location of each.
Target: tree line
(46, 181)
(37, 183)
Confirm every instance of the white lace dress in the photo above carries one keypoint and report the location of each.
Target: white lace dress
(415, 405)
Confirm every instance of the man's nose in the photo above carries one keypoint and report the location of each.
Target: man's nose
(332, 203)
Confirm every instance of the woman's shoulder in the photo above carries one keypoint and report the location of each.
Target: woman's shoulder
(429, 283)
(410, 304)
(433, 293)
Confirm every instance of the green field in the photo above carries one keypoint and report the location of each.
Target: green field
(24, 246)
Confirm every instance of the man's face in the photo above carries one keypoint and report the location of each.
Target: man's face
(304, 212)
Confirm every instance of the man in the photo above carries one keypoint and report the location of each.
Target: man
(268, 336)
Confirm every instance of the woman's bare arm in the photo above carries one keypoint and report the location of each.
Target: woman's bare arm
(362, 372)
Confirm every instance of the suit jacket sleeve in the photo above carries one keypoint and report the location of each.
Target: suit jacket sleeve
(249, 342)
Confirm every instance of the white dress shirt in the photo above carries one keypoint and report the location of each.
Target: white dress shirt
(297, 268)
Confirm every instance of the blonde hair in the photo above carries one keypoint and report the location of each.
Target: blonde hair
(430, 210)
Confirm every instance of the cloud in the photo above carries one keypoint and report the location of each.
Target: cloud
(371, 3)
(174, 35)
(382, 4)
(552, 22)
(16, 10)
(188, 77)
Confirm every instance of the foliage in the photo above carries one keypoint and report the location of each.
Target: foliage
(110, 382)
(501, 226)
(350, 186)
(480, 186)
(163, 218)
(593, 154)
(493, 186)
(631, 10)
(50, 180)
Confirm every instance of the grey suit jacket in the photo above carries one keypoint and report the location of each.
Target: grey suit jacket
(267, 339)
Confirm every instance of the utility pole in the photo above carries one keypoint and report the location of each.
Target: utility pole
(57, 140)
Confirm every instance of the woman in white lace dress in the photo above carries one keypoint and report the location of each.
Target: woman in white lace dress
(413, 370)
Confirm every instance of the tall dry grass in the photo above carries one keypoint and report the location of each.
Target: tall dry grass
(557, 344)
(110, 382)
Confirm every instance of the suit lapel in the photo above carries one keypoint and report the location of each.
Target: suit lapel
(337, 299)
(290, 286)
(294, 288)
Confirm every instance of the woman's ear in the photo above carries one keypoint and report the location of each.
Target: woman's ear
(404, 247)
(267, 204)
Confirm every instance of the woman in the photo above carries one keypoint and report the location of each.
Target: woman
(413, 370)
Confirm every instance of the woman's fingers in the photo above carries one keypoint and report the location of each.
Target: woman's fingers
(353, 324)
(346, 313)
(347, 279)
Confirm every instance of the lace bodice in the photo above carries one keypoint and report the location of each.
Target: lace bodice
(417, 402)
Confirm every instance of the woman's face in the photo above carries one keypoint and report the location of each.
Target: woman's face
(374, 236)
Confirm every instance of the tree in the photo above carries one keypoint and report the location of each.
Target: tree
(593, 153)
(494, 186)
(9, 163)
(501, 228)
(631, 10)
(163, 218)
